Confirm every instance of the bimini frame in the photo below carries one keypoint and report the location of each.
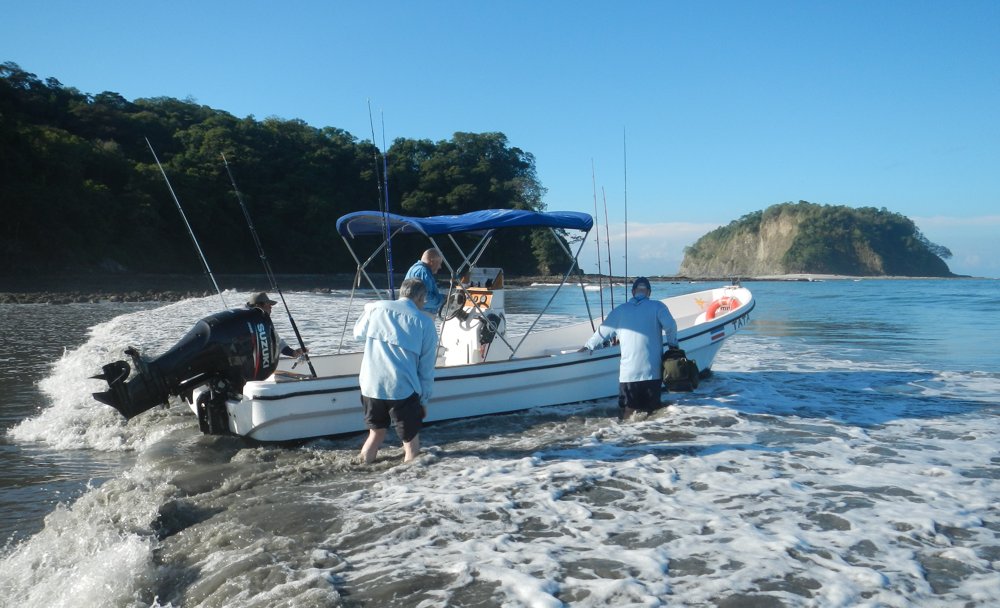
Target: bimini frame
(484, 223)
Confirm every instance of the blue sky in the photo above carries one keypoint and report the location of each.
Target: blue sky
(724, 108)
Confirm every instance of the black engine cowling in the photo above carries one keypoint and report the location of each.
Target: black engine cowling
(232, 346)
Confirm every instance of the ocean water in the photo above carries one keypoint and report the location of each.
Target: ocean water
(845, 452)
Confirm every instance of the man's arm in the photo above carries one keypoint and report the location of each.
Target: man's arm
(428, 357)
(603, 334)
(361, 325)
(668, 324)
(606, 331)
(433, 298)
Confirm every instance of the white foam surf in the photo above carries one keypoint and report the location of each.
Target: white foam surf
(805, 472)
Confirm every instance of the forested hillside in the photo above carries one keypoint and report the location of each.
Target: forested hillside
(803, 237)
(80, 190)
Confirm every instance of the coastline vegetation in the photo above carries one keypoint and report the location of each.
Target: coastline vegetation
(81, 192)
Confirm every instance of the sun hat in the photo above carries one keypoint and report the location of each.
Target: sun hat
(260, 298)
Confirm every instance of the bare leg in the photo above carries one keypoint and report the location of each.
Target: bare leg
(411, 448)
(372, 444)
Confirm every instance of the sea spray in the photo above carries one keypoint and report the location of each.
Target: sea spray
(97, 551)
(72, 419)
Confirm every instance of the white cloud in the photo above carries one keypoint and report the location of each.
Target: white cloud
(653, 249)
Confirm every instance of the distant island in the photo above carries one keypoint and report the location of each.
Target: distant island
(806, 238)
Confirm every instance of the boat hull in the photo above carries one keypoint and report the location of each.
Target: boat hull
(553, 373)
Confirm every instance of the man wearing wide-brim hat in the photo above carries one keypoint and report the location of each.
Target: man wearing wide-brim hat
(263, 302)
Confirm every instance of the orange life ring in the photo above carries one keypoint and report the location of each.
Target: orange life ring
(723, 304)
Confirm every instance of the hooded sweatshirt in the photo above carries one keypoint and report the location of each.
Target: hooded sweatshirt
(638, 324)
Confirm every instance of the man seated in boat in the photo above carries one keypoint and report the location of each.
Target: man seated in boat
(638, 325)
(424, 269)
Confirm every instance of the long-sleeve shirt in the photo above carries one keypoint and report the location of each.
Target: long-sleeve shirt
(400, 350)
(638, 325)
(434, 297)
(284, 347)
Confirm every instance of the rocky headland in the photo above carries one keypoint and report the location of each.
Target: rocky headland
(805, 238)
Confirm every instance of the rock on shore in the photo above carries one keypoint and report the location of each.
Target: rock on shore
(70, 289)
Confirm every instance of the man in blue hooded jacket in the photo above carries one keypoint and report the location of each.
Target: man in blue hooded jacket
(639, 325)
(397, 369)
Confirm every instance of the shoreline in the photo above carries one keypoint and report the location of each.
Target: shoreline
(94, 288)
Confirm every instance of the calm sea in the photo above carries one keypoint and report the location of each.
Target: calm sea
(846, 452)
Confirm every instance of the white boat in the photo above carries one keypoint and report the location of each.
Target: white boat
(481, 369)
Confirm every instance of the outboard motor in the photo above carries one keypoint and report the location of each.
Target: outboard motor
(224, 350)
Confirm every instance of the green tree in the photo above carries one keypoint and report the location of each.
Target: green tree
(79, 187)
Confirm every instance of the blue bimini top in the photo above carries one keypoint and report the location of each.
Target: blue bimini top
(366, 223)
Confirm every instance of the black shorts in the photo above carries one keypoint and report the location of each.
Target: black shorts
(406, 414)
(643, 395)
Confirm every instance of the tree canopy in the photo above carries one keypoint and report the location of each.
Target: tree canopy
(80, 190)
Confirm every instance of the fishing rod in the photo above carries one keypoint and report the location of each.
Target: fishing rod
(607, 240)
(625, 155)
(267, 267)
(597, 238)
(385, 179)
(186, 223)
(383, 201)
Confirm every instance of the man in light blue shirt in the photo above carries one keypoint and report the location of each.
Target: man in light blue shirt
(424, 269)
(397, 370)
(639, 325)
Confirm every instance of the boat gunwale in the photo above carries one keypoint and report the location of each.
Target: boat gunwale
(731, 317)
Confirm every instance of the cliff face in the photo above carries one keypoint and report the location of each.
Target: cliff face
(744, 252)
(820, 239)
